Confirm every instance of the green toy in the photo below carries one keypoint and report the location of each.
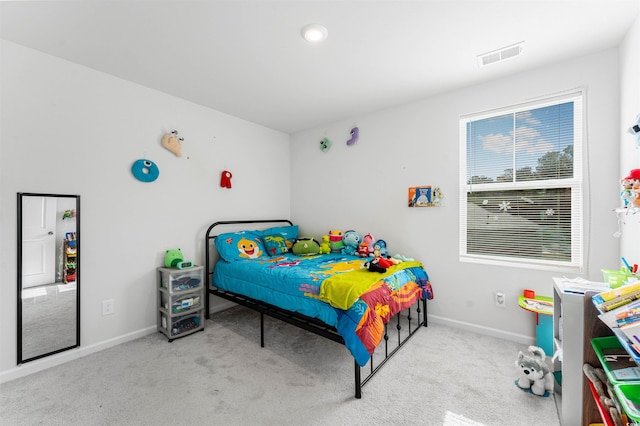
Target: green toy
(325, 247)
(305, 246)
(172, 258)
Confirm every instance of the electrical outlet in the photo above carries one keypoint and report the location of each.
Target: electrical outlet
(501, 299)
(108, 307)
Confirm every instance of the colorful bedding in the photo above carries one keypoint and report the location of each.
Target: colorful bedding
(334, 288)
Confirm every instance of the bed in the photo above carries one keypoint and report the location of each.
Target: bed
(372, 313)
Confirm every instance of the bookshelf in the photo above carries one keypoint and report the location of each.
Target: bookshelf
(575, 323)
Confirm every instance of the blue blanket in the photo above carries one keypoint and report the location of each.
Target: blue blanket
(295, 283)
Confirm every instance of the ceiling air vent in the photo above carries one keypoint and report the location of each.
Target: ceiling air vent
(501, 54)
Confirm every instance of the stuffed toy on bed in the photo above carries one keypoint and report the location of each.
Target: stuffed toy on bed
(535, 376)
(335, 240)
(351, 241)
(325, 248)
(305, 246)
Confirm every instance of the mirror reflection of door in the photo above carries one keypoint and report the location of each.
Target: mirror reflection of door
(48, 274)
(38, 241)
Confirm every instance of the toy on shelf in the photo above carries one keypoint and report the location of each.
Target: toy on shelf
(70, 254)
(604, 389)
(535, 376)
(633, 180)
(627, 194)
(69, 214)
(174, 259)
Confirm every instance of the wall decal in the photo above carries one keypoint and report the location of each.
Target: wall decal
(225, 179)
(325, 144)
(173, 143)
(355, 135)
(145, 170)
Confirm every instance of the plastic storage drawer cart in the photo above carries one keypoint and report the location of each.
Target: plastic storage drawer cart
(180, 301)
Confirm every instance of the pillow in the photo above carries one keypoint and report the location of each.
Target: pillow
(240, 245)
(279, 239)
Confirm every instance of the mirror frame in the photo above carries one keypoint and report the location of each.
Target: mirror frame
(20, 360)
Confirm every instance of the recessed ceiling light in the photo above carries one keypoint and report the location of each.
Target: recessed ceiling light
(314, 33)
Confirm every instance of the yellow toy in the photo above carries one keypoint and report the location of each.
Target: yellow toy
(325, 248)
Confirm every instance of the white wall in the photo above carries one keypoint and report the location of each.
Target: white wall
(69, 129)
(364, 187)
(629, 150)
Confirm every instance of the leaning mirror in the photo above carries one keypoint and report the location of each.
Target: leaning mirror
(48, 274)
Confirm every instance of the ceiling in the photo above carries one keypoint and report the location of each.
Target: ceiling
(246, 58)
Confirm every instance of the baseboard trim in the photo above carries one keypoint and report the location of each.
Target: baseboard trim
(32, 367)
(487, 331)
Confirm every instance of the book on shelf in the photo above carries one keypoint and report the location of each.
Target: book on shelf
(632, 332)
(629, 315)
(622, 300)
(620, 315)
(615, 293)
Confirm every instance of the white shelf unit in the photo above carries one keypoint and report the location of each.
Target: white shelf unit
(568, 336)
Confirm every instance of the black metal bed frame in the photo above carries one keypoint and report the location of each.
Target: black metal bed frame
(312, 324)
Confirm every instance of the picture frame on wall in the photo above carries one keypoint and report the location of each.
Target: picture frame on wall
(424, 196)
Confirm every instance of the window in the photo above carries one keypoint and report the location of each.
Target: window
(521, 185)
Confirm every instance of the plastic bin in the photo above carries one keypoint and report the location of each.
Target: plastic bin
(180, 281)
(629, 396)
(181, 303)
(616, 278)
(606, 348)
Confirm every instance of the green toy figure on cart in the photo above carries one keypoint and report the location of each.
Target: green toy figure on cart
(173, 258)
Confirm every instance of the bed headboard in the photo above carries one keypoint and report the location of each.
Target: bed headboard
(221, 227)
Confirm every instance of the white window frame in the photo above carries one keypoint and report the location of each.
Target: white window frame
(576, 264)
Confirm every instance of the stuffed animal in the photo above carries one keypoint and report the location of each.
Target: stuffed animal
(604, 389)
(172, 258)
(634, 180)
(351, 241)
(335, 240)
(369, 241)
(325, 248)
(305, 246)
(627, 194)
(380, 248)
(534, 372)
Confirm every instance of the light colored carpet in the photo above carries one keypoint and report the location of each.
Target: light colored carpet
(221, 376)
